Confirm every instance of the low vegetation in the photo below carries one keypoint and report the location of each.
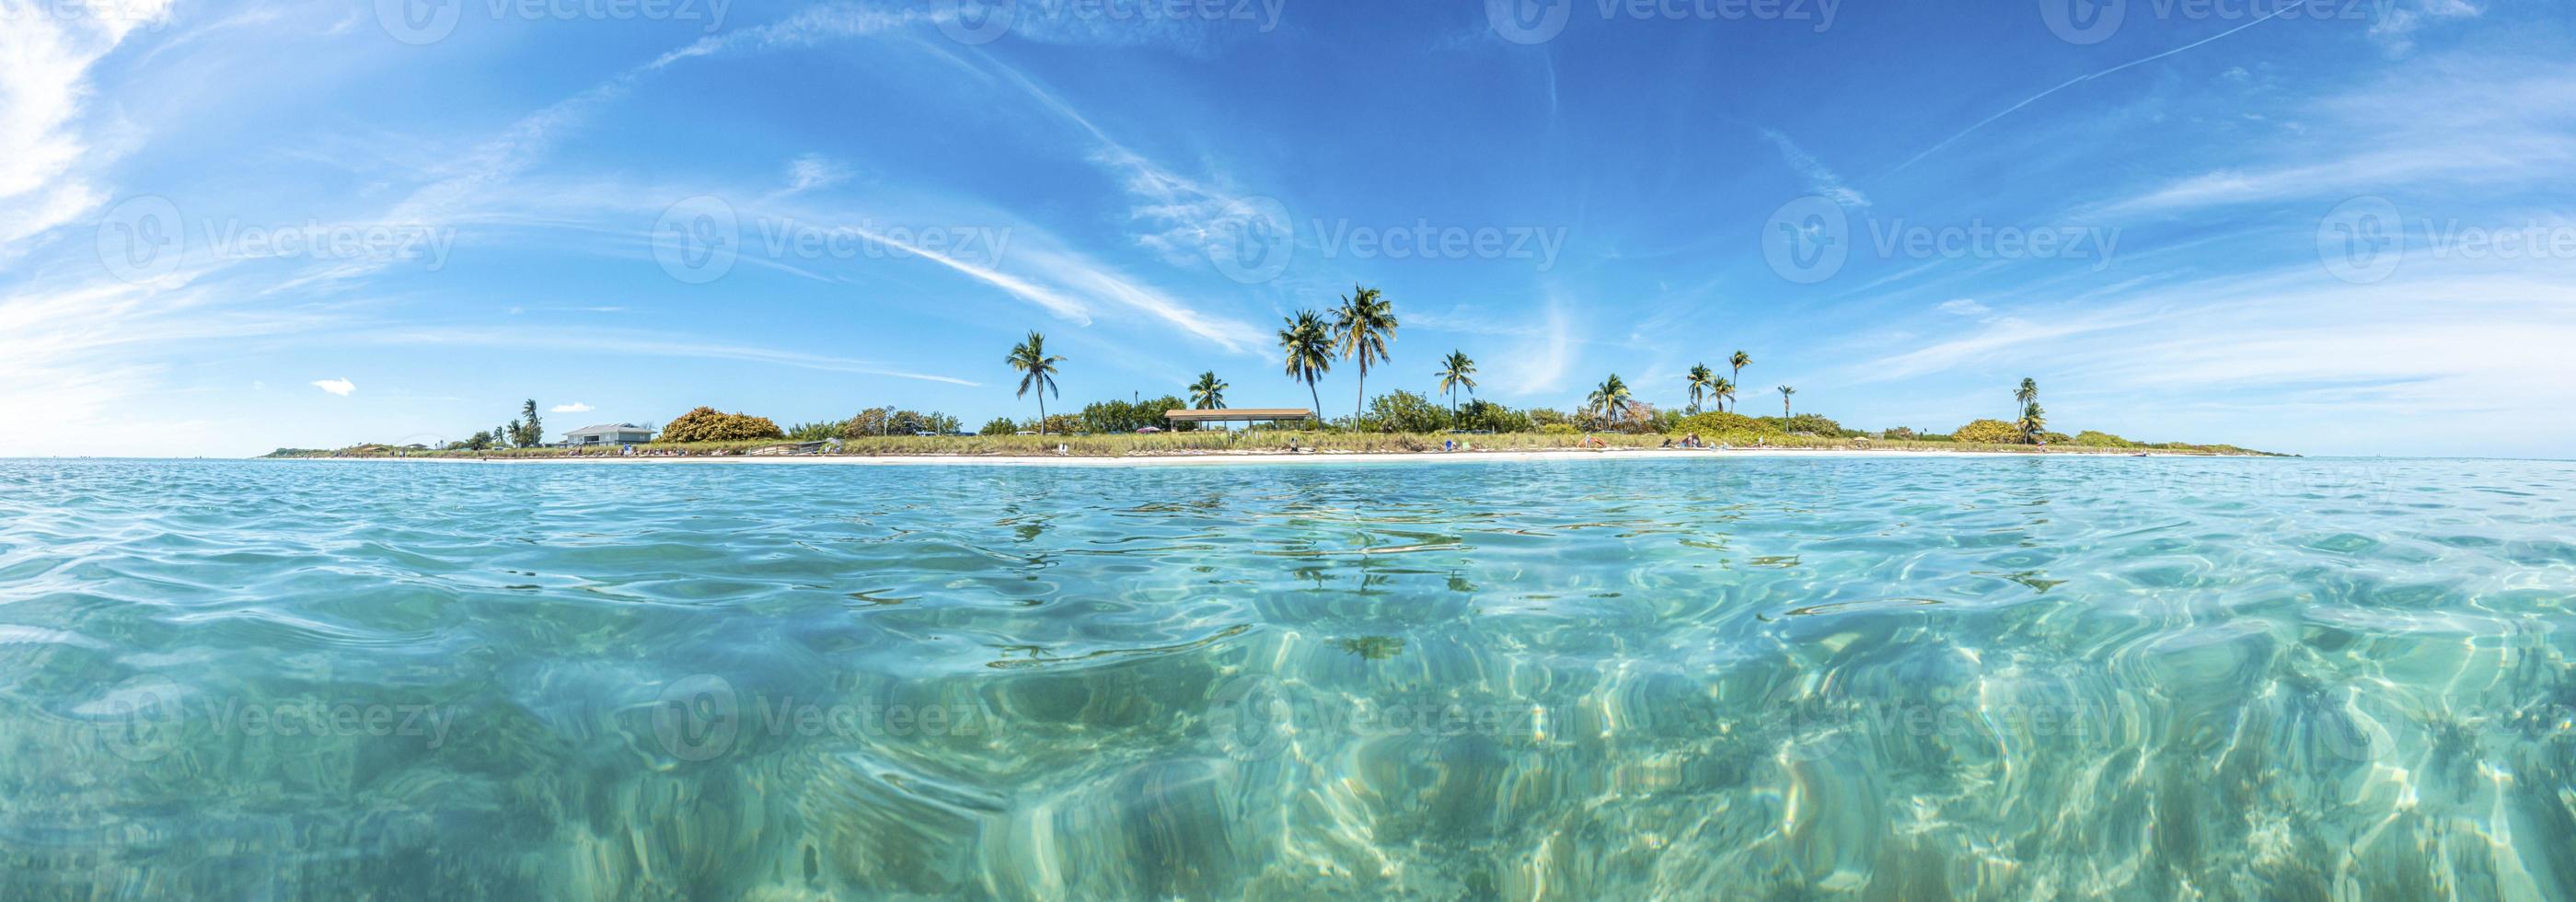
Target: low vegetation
(1360, 331)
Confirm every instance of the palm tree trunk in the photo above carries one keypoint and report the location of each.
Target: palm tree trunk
(1361, 403)
(1318, 399)
(1738, 379)
(1041, 413)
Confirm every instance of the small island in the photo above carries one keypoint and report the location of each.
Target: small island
(1610, 418)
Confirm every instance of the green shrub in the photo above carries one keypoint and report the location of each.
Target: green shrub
(2091, 439)
(1404, 411)
(1716, 423)
(1559, 429)
(706, 424)
(1988, 432)
(999, 426)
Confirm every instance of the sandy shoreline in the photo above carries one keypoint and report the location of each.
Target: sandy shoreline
(1319, 457)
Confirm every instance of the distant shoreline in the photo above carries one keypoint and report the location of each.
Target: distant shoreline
(1273, 457)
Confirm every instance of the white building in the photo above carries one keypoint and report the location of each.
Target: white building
(610, 434)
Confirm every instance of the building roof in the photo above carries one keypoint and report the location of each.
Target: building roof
(1238, 414)
(611, 427)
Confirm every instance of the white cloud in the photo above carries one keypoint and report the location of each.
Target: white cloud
(2396, 26)
(812, 171)
(45, 57)
(341, 387)
(1820, 180)
(1965, 307)
(574, 407)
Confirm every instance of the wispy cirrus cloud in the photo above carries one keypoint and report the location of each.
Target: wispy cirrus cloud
(1821, 181)
(48, 166)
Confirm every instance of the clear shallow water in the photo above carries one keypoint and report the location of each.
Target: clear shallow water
(1995, 677)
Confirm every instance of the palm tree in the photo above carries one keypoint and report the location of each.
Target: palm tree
(2033, 420)
(1611, 399)
(1037, 370)
(1785, 392)
(1456, 372)
(1364, 325)
(1307, 345)
(1723, 389)
(1741, 360)
(1700, 381)
(1208, 393)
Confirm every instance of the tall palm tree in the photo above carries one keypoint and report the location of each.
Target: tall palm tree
(1307, 346)
(2028, 392)
(1700, 381)
(1723, 389)
(1037, 370)
(1364, 324)
(1456, 372)
(1611, 399)
(1740, 360)
(1208, 393)
(1785, 392)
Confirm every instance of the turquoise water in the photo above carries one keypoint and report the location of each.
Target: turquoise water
(1998, 677)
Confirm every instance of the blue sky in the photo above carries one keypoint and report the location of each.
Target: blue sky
(2331, 229)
